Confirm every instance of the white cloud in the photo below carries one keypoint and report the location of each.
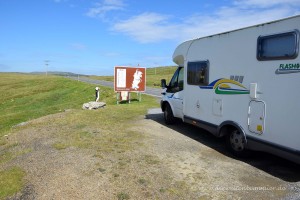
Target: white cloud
(155, 27)
(227, 19)
(101, 9)
(147, 27)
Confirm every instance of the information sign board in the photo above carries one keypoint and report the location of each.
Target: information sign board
(132, 79)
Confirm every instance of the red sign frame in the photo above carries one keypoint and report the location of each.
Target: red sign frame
(132, 79)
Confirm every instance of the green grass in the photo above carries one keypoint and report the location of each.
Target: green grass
(26, 97)
(11, 181)
(122, 196)
(6, 156)
(29, 97)
(32, 96)
(154, 75)
(104, 78)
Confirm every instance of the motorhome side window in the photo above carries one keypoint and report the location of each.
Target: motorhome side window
(197, 73)
(176, 83)
(278, 47)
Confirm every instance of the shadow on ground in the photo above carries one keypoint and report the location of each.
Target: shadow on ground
(273, 165)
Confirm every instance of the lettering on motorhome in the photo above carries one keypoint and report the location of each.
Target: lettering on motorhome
(288, 68)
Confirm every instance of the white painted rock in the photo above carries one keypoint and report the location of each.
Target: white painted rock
(93, 105)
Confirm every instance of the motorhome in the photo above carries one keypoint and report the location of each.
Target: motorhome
(242, 85)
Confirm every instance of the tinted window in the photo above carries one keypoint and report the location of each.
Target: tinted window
(197, 73)
(279, 46)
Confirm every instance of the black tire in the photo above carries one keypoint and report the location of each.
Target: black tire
(236, 143)
(168, 115)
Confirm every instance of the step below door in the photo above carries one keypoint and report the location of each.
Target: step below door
(256, 117)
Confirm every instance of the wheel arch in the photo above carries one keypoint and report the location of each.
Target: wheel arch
(164, 104)
(227, 126)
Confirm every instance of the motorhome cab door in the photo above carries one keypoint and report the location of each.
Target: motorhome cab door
(197, 102)
(175, 92)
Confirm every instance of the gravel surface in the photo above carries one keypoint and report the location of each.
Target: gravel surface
(174, 162)
(200, 159)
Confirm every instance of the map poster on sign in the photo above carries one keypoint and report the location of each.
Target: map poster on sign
(132, 79)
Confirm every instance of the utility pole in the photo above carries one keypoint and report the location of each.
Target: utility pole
(46, 64)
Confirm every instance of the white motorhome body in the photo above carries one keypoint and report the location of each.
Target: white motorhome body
(243, 84)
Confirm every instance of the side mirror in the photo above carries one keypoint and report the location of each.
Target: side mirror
(163, 83)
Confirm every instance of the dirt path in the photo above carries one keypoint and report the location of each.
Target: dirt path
(176, 162)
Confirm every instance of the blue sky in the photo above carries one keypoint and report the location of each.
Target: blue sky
(93, 36)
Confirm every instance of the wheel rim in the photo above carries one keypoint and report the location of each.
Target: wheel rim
(237, 141)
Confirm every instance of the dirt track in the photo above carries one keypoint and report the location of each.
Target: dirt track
(175, 162)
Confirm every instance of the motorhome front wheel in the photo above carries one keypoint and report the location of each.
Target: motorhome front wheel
(236, 143)
(168, 115)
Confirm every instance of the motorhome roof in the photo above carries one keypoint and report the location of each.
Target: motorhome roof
(181, 50)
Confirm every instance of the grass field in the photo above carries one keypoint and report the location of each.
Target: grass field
(154, 75)
(27, 97)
